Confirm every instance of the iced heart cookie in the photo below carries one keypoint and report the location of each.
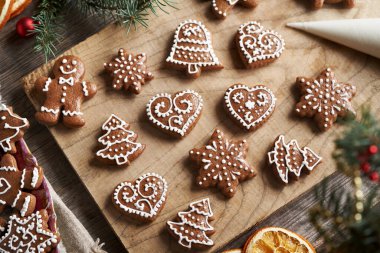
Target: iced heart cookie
(347, 3)
(12, 128)
(222, 163)
(249, 106)
(176, 114)
(324, 98)
(291, 159)
(222, 7)
(142, 199)
(192, 49)
(258, 47)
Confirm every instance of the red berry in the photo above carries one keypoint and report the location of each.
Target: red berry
(374, 176)
(365, 167)
(373, 149)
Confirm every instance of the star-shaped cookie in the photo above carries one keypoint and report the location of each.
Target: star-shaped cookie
(222, 163)
(324, 98)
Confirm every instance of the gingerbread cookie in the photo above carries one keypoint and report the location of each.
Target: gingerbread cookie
(29, 234)
(222, 7)
(347, 3)
(249, 106)
(222, 163)
(12, 128)
(324, 98)
(64, 93)
(5, 11)
(175, 114)
(120, 146)
(142, 199)
(192, 49)
(192, 228)
(128, 71)
(290, 158)
(257, 46)
(14, 181)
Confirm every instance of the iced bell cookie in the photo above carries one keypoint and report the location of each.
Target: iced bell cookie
(191, 228)
(64, 93)
(324, 98)
(222, 7)
(129, 71)
(317, 4)
(176, 114)
(257, 46)
(119, 143)
(12, 129)
(290, 159)
(250, 107)
(222, 163)
(192, 49)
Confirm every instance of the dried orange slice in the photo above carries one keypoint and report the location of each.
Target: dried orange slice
(5, 11)
(277, 240)
(232, 251)
(19, 6)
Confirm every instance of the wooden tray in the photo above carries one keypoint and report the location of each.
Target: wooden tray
(256, 198)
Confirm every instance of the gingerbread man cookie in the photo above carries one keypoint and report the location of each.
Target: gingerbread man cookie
(64, 93)
(12, 128)
(221, 7)
(347, 3)
(14, 181)
(29, 234)
(222, 163)
(324, 98)
(128, 71)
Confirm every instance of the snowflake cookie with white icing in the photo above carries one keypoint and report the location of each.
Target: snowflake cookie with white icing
(250, 107)
(64, 93)
(222, 163)
(142, 199)
(128, 71)
(13, 182)
(192, 49)
(324, 98)
(257, 46)
(222, 7)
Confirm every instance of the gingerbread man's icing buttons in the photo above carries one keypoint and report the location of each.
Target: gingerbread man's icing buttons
(222, 7)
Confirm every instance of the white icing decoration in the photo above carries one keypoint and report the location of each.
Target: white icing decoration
(35, 177)
(22, 179)
(47, 83)
(68, 72)
(16, 199)
(4, 186)
(25, 206)
(53, 111)
(69, 81)
(85, 90)
(71, 113)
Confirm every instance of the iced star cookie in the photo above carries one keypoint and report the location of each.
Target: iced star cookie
(222, 7)
(257, 46)
(12, 129)
(250, 107)
(64, 93)
(290, 159)
(176, 114)
(191, 228)
(192, 49)
(129, 71)
(317, 4)
(142, 199)
(324, 98)
(119, 143)
(222, 163)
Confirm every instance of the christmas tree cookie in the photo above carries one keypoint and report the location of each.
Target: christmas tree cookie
(221, 7)
(120, 146)
(192, 49)
(191, 228)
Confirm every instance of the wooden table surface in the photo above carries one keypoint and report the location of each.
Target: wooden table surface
(17, 58)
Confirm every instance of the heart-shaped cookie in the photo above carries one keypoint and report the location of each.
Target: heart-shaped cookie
(176, 114)
(142, 199)
(258, 47)
(249, 106)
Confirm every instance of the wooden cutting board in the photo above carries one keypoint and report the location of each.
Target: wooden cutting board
(256, 198)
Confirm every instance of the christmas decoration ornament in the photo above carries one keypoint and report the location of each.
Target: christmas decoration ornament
(374, 176)
(19, 6)
(5, 11)
(192, 228)
(25, 26)
(347, 3)
(192, 49)
(365, 167)
(222, 7)
(373, 149)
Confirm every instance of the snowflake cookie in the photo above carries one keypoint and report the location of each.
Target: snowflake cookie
(120, 146)
(142, 199)
(290, 158)
(28, 234)
(221, 7)
(222, 163)
(324, 98)
(347, 3)
(257, 46)
(13, 182)
(12, 129)
(192, 49)
(249, 106)
(128, 71)
(191, 228)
